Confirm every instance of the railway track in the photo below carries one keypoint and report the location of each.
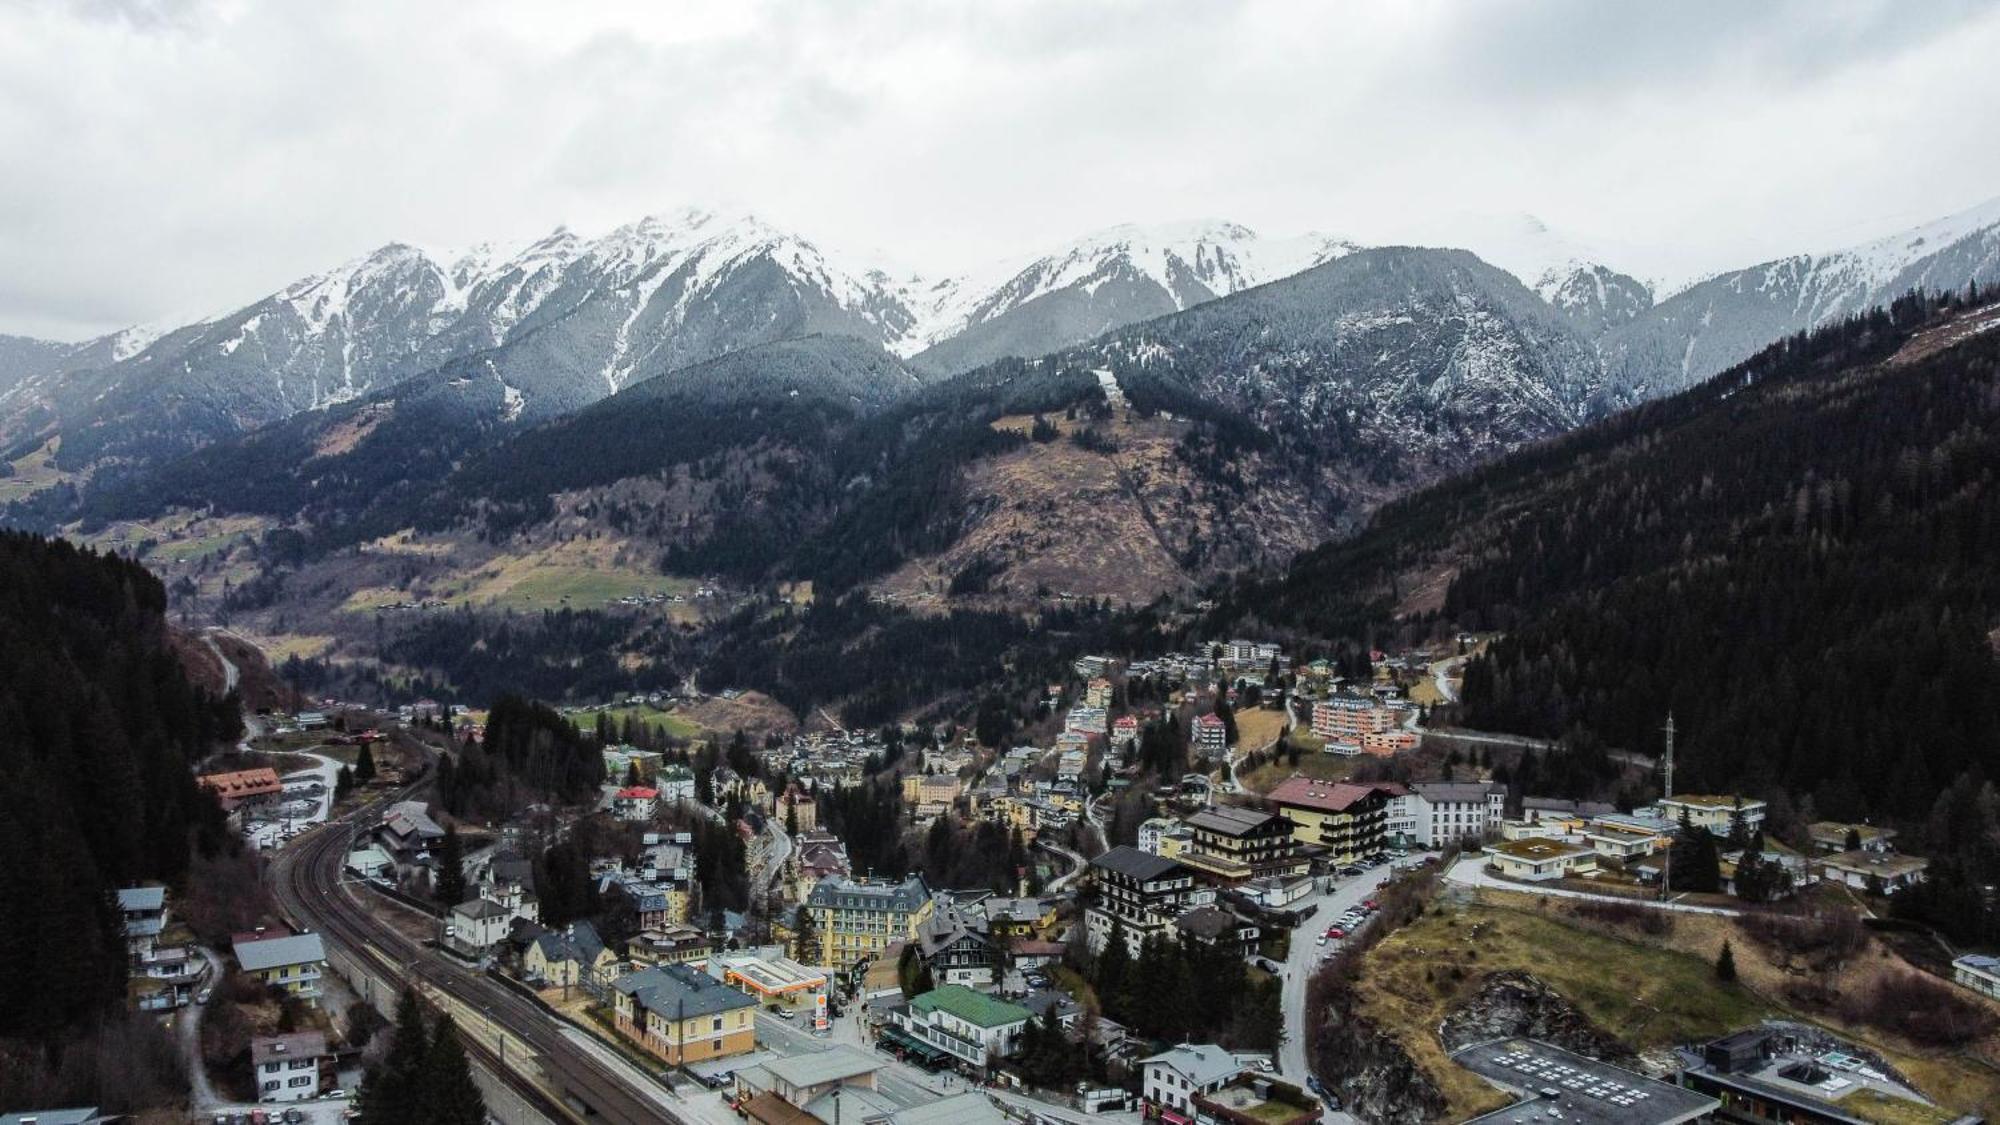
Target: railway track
(311, 889)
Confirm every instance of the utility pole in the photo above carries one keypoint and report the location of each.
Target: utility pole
(1667, 768)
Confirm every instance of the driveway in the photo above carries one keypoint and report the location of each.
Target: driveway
(1471, 872)
(187, 1029)
(1307, 955)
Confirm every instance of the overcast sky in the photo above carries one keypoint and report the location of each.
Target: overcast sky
(168, 159)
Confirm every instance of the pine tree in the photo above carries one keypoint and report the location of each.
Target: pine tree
(451, 869)
(449, 1096)
(390, 1092)
(1725, 964)
(632, 778)
(364, 764)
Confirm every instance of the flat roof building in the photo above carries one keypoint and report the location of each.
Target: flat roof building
(1554, 1084)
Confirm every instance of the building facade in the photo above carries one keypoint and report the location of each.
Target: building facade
(859, 918)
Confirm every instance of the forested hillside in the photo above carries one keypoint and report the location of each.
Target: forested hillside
(1795, 559)
(98, 730)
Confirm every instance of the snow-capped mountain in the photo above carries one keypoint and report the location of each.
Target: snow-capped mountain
(1715, 323)
(1105, 280)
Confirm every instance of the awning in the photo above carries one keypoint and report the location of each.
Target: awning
(897, 1037)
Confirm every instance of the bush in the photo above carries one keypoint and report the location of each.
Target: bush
(1626, 916)
(1919, 1008)
(1823, 942)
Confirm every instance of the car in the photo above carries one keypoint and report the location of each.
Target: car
(1336, 932)
(1370, 905)
(202, 996)
(1321, 941)
(787, 1014)
(1315, 1085)
(336, 1094)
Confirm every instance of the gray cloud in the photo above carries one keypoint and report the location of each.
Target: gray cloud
(174, 158)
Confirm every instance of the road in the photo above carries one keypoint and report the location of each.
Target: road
(1471, 872)
(503, 1028)
(187, 1027)
(775, 855)
(1076, 866)
(229, 671)
(1305, 957)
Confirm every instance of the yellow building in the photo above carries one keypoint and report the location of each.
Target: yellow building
(568, 959)
(682, 1015)
(931, 794)
(292, 962)
(1345, 818)
(858, 918)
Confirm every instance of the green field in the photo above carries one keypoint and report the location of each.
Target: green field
(670, 723)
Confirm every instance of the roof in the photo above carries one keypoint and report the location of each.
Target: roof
(680, 992)
(1980, 962)
(1875, 863)
(581, 943)
(836, 891)
(1132, 863)
(242, 783)
(270, 953)
(638, 793)
(1231, 820)
(770, 1109)
(1534, 848)
(476, 908)
(960, 1109)
(135, 899)
(1587, 1092)
(836, 1064)
(1041, 1000)
(1711, 801)
(1457, 792)
(975, 1008)
(1835, 830)
(1310, 793)
(1210, 719)
(1208, 922)
(1202, 1064)
(298, 1044)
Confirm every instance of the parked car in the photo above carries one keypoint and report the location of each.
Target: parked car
(1321, 941)
(1336, 932)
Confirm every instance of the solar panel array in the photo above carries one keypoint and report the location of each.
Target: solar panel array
(1551, 1073)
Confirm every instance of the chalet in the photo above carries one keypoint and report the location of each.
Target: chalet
(144, 911)
(958, 946)
(1346, 819)
(1214, 926)
(293, 962)
(1235, 845)
(573, 957)
(291, 1068)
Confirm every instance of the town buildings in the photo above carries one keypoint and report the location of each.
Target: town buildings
(858, 918)
(1718, 814)
(1555, 1085)
(1140, 894)
(1210, 735)
(679, 1014)
(1234, 845)
(1343, 719)
(1346, 819)
(973, 1028)
(1540, 860)
(243, 787)
(1450, 812)
(292, 962)
(294, 1067)
(1171, 1080)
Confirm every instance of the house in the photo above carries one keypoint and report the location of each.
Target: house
(1235, 845)
(1042, 1001)
(1210, 735)
(1623, 843)
(1540, 860)
(1097, 693)
(1172, 1079)
(1276, 894)
(243, 787)
(371, 862)
(973, 1028)
(655, 905)
(291, 1068)
(1875, 872)
(1140, 895)
(1345, 818)
(800, 1089)
(681, 1015)
(1214, 926)
(858, 918)
(958, 946)
(670, 945)
(675, 783)
(1979, 972)
(291, 962)
(1018, 917)
(1391, 742)
(817, 856)
(1152, 829)
(1830, 836)
(635, 803)
(796, 809)
(575, 956)
(144, 910)
(1124, 729)
(1450, 812)
(476, 925)
(408, 832)
(1718, 814)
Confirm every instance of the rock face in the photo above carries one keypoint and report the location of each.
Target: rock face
(1513, 1003)
(1379, 1081)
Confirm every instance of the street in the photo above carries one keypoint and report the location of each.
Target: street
(1471, 872)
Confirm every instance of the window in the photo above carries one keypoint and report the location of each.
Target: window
(718, 1024)
(302, 1080)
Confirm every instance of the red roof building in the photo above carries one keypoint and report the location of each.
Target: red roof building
(233, 789)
